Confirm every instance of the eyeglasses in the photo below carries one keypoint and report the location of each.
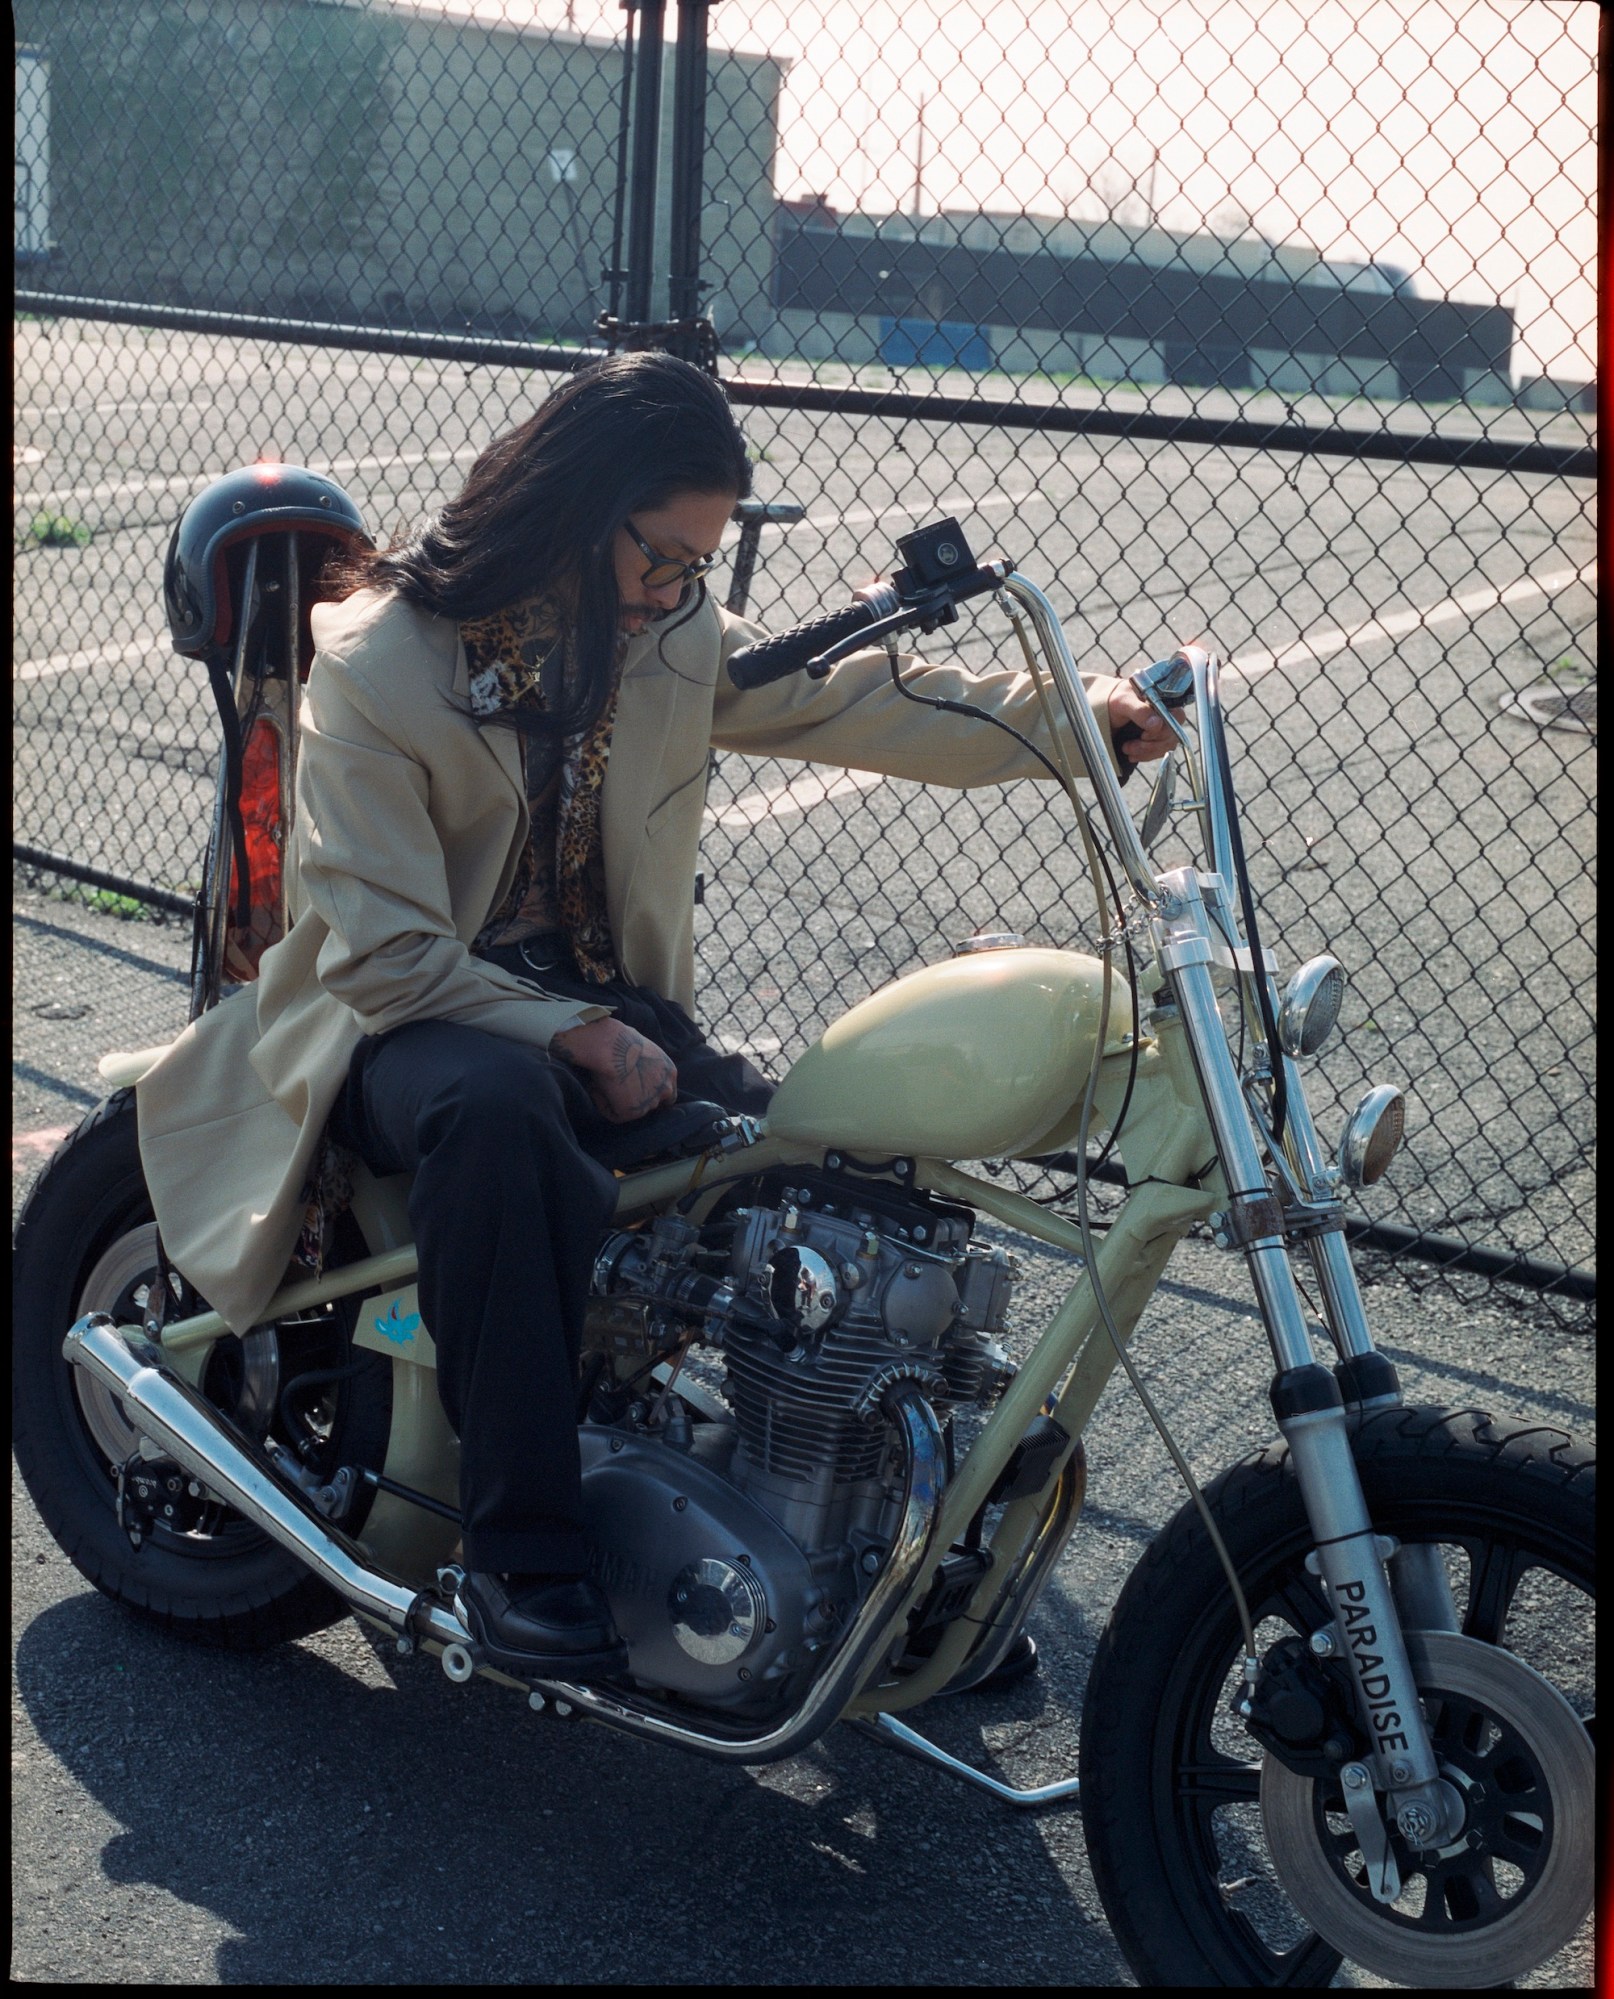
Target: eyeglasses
(663, 568)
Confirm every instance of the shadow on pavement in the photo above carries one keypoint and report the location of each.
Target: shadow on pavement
(354, 1818)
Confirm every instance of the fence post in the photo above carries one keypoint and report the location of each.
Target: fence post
(646, 148)
(684, 285)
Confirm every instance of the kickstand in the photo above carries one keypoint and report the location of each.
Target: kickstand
(898, 1735)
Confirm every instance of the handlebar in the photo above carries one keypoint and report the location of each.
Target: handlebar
(772, 659)
(881, 609)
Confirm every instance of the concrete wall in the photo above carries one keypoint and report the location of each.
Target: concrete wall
(286, 156)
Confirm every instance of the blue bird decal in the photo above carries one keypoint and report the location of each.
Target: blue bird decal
(395, 1326)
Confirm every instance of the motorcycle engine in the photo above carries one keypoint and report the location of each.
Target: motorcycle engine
(735, 1550)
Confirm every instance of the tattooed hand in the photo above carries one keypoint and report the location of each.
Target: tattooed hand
(627, 1076)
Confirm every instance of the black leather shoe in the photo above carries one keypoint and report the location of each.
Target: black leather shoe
(541, 1627)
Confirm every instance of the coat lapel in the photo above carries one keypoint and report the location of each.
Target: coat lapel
(504, 747)
(634, 775)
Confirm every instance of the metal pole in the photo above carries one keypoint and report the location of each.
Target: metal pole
(616, 274)
(646, 147)
(689, 148)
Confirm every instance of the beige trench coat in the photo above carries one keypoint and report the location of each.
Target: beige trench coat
(409, 825)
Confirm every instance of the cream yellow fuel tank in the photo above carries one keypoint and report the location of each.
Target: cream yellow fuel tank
(971, 1059)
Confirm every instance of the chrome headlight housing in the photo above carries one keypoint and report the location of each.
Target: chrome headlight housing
(1310, 1006)
(1373, 1134)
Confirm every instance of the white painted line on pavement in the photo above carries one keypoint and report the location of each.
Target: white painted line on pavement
(808, 788)
(82, 658)
(1318, 646)
(859, 515)
(186, 482)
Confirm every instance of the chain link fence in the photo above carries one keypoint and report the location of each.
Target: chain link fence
(1267, 324)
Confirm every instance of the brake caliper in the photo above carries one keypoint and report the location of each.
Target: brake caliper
(1301, 1711)
(155, 1492)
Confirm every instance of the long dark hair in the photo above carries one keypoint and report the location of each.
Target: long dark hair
(543, 503)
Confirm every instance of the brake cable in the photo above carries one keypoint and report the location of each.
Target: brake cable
(1084, 1222)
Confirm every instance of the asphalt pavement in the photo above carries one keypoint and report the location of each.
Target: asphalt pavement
(328, 1813)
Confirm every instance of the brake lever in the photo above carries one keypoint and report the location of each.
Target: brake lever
(910, 614)
(1167, 685)
(923, 611)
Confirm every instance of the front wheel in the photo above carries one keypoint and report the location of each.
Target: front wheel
(86, 1242)
(1172, 1785)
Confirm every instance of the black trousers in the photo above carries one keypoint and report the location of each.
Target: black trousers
(507, 1206)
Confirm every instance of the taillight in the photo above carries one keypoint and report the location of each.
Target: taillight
(265, 839)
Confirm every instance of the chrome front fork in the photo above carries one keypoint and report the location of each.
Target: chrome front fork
(1349, 1558)
(1307, 1399)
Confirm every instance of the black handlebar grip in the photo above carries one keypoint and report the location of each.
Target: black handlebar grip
(772, 659)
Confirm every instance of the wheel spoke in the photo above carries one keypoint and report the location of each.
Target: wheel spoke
(1462, 1891)
(1219, 1781)
(1493, 1578)
(1299, 1602)
(1520, 1841)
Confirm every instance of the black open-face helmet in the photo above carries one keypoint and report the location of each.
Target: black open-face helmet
(200, 580)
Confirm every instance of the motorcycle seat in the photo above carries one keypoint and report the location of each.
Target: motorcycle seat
(679, 1131)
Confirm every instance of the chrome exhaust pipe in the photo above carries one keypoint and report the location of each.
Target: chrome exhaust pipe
(844, 1672)
(187, 1428)
(203, 1442)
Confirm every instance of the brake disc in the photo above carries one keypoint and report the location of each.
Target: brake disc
(117, 1285)
(1516, 1883)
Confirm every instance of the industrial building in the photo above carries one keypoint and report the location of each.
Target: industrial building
(1032, 294)
(323, 160)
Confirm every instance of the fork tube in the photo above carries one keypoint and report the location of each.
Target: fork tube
(1330, 1257)
(1184, 949)
(1341, 1295)
(1306, 1398)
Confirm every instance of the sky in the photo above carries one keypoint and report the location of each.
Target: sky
(1450, 138)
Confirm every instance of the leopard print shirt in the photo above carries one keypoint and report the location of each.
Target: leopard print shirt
(522, 656)
(560, 879)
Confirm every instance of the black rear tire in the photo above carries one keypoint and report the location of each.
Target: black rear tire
(1170, 1782)
(85, 1241)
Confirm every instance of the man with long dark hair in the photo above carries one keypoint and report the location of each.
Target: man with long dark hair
(490, 979)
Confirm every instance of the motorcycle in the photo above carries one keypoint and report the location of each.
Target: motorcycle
(1308, 1672)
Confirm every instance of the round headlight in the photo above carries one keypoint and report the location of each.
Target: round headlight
(1310, 1007)
(1372, 1136)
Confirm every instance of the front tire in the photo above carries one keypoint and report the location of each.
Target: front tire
(86, 1241)
(1171, 1783)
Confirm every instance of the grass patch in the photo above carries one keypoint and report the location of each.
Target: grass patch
(105, 902)
(109, 903)
(58, 531)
